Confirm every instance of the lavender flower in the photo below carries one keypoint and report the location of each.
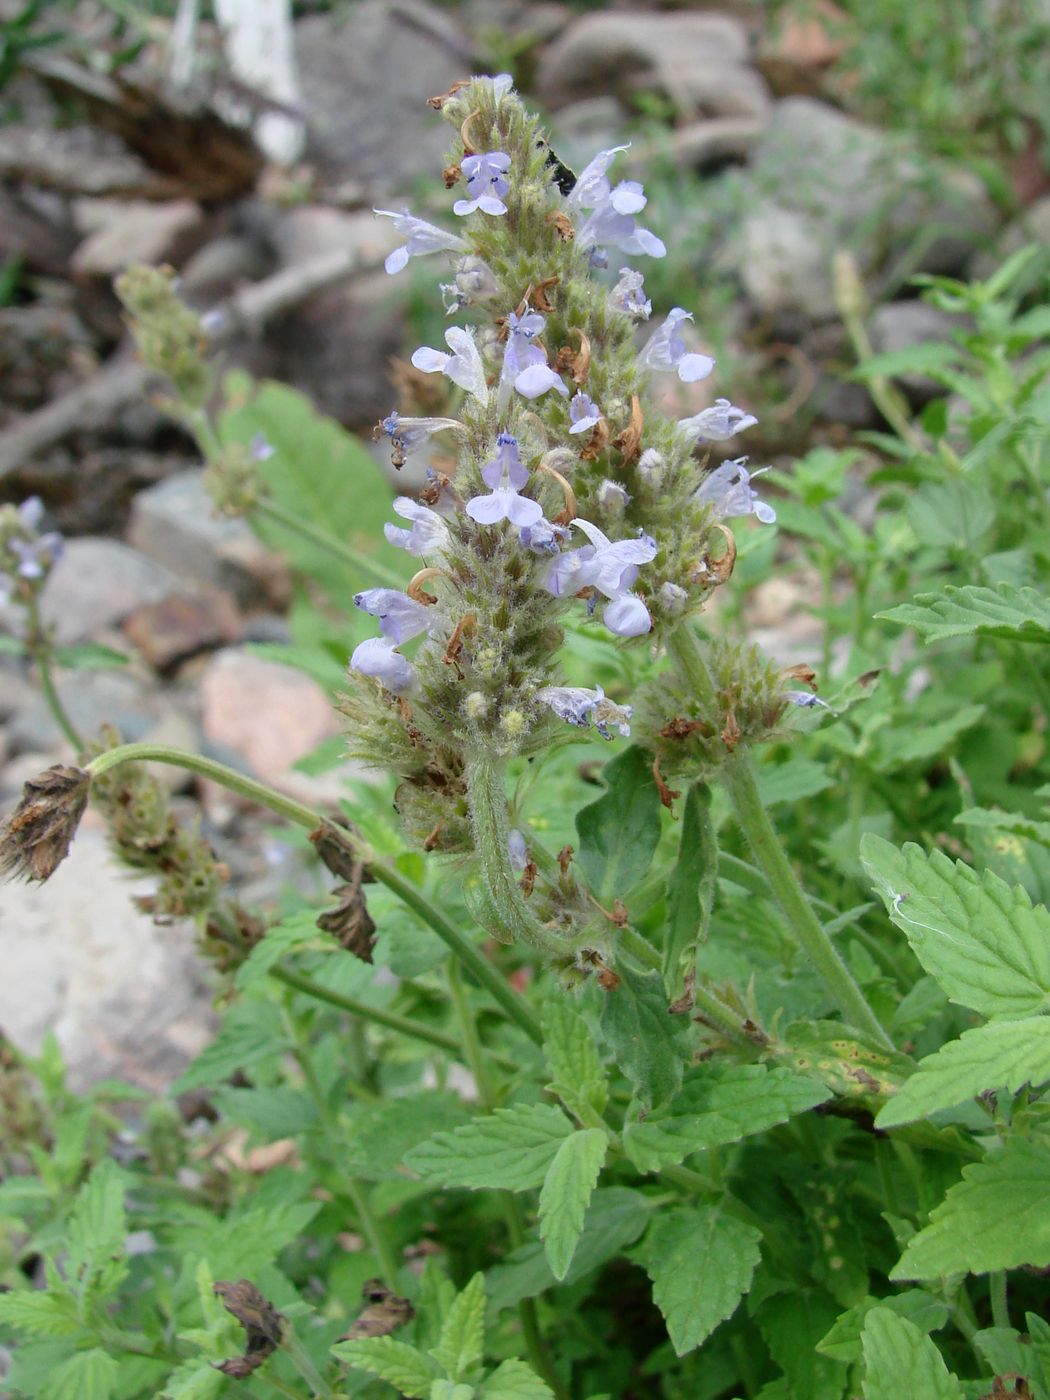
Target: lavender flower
(580, 706)
(429, 533)
(464, 366)
(35, 553)
(407, 435)
(612, 498)
(525, 363)
(543, 537)
(722, 420)
(805, 701)
(506, 474)
(728, 489)
(422, 238)
(475, 282)
(261, 449)
(629, 296)
(666, 350)
(487, 183)
(611, 221)
(400, 617)
(611, 567)
(517, 850)
(584, 412)
(379, 657)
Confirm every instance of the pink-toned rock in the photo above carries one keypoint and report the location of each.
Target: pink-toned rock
(268, 716)
(175, 628)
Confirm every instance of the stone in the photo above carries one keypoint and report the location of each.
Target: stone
(699, 61)
(220, 267)
(265, 717)
(174, 524)
(139, 231)
(98, 582)
(823, 181)
(900, 325)
(126, 998)
(1030, 226)
(366, 71)
(167, 632)
(121, 696)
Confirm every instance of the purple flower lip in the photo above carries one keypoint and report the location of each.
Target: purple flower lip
(464, 366)
(728, 489)
(506, 474)
(666, 350)
(487, 183)
(379, 657)
(580, 706)
(420, 236)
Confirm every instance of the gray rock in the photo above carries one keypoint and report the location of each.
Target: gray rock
(366, 71)
(221, 266)
(96, 583)
(899, 325)
(1030, 226)
(91, 698)
(699, 61)
(125, 998)
(136, 232)
(173, 524)
(823, 181)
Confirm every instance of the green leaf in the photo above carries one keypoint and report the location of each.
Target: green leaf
(995, 1218)
(1012, 823)
(89, 656)
(792, 781)
(292, 932)
(395, 1362)
(644, 1039)
(572, 1056)
(981, 940)
(509, 1149)
(843, 1341)
(382, 1133)
(899, 744)
(1013, 614)
(619, 833)
(513, 1380)
(700, 1261)
(89, 1375)
(953, 515)
(924, 358)
(250, 1032)
(194, 1380)
(614, 1220)
(690, 890)
(1001, 1055)
(897, 1354)
(567, 1187)
(718, 1105)
(41, 1314)
(97, 1229)
(462, 1342)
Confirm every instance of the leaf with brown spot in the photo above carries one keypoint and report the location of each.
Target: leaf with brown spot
(384, 1312)
(261, 1321)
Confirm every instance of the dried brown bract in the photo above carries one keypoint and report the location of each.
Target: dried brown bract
(384, 1312)
(261, 1321)
(36, 837)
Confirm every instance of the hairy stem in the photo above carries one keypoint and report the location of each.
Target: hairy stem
(39, 649)
(738, 775)
(385, 873)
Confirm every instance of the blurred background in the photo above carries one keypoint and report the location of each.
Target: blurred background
(804, 162)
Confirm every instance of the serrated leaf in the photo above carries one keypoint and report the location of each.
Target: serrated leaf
(1013, 614)
(924, 358)
(643, 1037)
(843, 1341)
(97, 1228)
(619, 833)
(290, 933)
(382, 1133)
(614, 1220)
(896, 1353)
(700, 1261)
(1012, 823)
(509, 1149)
(1002, 1055)
(995, 1218)
(462, 1342)
(390, 1360)
(250, 1032)
(513, 1380)
(41, 1314)
(572, 1057)
(691, 889)
(951, 514)
(900, 744)
(792, 781)
(982, 941)
(719, 1105)
(194, 1380)
(567, 1187)
(89, 1375)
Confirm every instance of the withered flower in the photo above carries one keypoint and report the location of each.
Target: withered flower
(35, 838)
(261, 1322)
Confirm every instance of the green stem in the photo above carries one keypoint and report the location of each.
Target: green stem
(303, 1363)
(386, 874)
(39, 649)
(997, 1293)
(738, 774)
(488, 805)
(472, 1048)
(371, 569)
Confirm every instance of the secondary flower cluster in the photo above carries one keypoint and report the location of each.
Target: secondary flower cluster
(565, 490)
(26, 553)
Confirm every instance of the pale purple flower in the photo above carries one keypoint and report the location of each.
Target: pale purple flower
(667, 350)
(464, 366)
(611, 221)
(728, 488)
(629, 296)
(543, 537)
(672, 598)
(612, 498)
(421, 238)
(429, 533)
(38, 553)
(407, 435)
(610, 566)
(524, 362)
(400, 617)
(261, 449)
(379, 657)
(722, 420)
(30, 513)
(608, 228)
(475, 282)
(517, 850)
(592, 188)
(805, 701)
(584, 412)
(577, 705)
(487, 183)
(506, 474)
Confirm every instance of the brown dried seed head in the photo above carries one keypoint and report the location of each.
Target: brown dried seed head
(35, 838)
